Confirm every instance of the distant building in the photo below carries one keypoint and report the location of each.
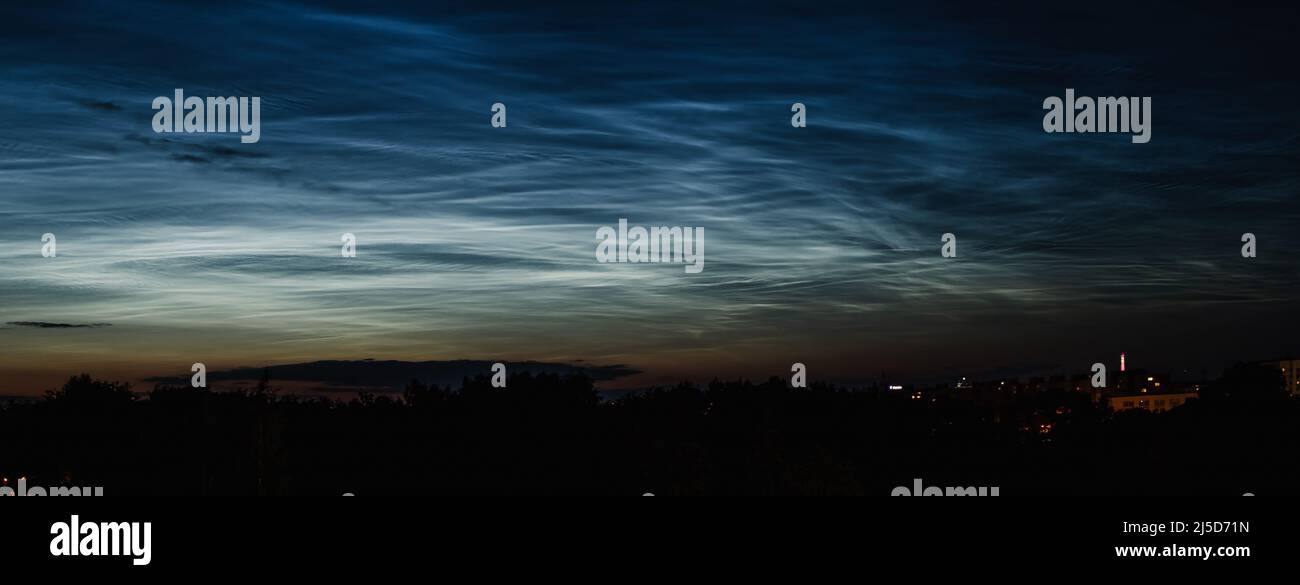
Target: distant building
(1153, 402)
(1290, 369)
(1141, 382)
(1135, 388)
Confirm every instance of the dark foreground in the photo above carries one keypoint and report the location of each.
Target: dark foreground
(550, 435)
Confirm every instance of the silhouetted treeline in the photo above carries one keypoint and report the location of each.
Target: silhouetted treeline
(550, 434)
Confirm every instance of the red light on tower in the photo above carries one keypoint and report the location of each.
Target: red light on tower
(1121, 362)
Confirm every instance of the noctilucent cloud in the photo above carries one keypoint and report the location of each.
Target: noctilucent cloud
(478, 242)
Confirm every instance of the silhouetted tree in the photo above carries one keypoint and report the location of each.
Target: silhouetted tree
(84, 392)
(263, 390)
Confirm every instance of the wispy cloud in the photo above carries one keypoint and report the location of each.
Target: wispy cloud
(822, 241)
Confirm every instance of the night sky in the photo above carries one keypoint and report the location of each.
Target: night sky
(822, 243)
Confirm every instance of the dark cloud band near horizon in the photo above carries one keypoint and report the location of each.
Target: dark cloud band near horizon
(49, 325)
(823, 242)
(392, 375)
